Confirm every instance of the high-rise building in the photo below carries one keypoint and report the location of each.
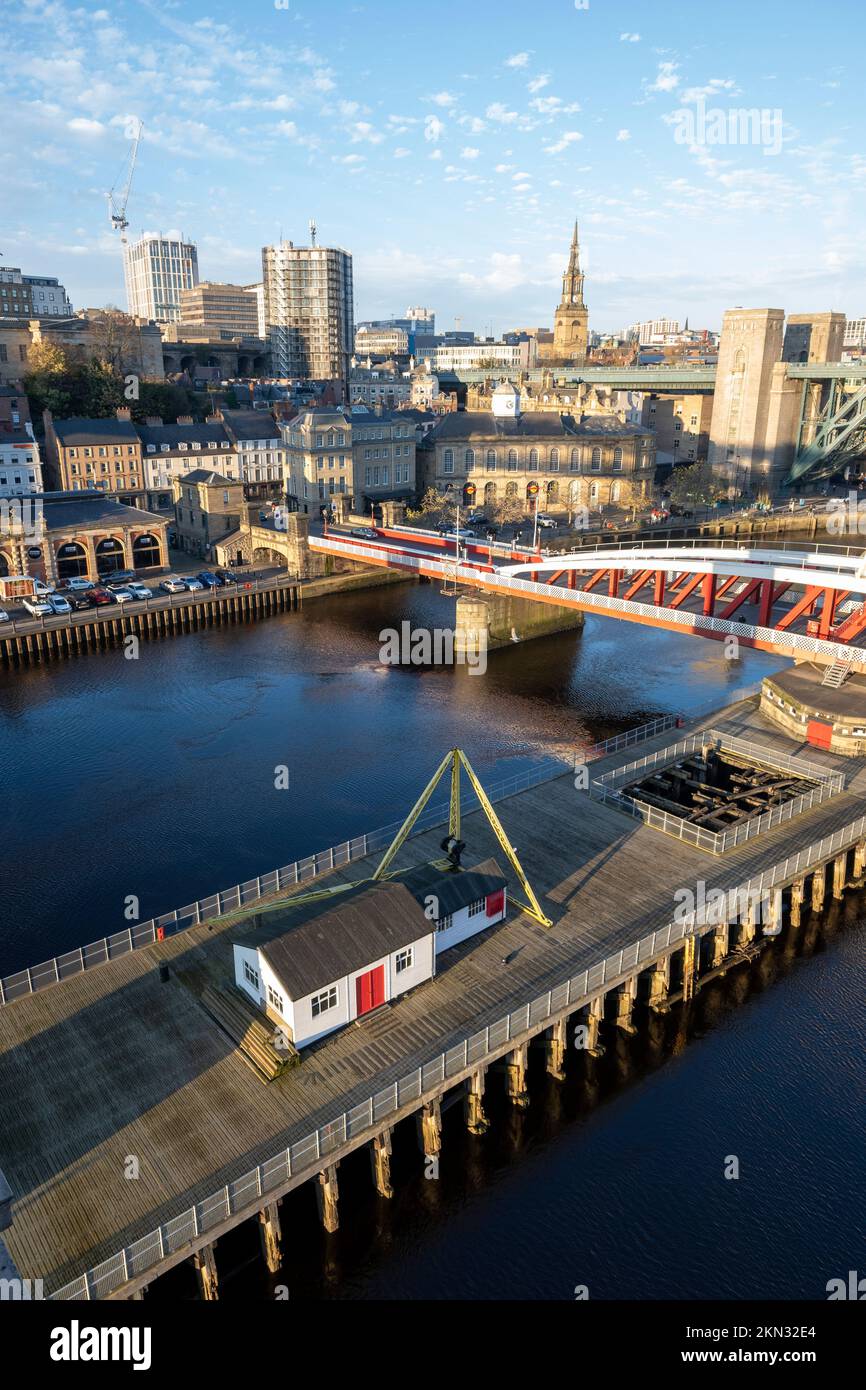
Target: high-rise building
(32, 296)
(224, 308)
(309, 310)
(157, 269)
(571, 323)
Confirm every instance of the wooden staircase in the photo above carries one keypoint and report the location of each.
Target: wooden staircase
(254, 1036)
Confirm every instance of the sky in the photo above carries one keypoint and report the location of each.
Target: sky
(450, 148)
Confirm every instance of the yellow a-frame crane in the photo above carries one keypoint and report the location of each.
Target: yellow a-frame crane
(457, 759)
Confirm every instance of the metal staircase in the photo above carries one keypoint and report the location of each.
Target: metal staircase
(836, 674)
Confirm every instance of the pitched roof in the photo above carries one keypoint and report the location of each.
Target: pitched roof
(251, 424)
(81, 431)
(207, 475)
(354, 929)
(211, 435)
(92, 510)
(453, 890)
(537, 424)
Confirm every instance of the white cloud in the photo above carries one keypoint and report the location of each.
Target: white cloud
(362, 130)
(401, 152)
(82, 126)
(444, 99)
(517, 60)
(666, 78)
(496, 111)
(623, 135)
(629, 38)
(287, 128)
(570, 137)
(433, 128)
(469, 152)
(538, 82)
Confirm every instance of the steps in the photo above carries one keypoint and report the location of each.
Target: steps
(238, 1018)
(838, 672)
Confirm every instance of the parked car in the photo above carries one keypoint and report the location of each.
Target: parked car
(173, 585)
(139, 590)
(208, 579)
(78, 599)
(41, 589)
(76, 585)
(228, 577)
(547, 523)
(58, 604)
(100, 597)
(4, 616)
(192, 584)
(477, 519)
(122, 593)
(39, 607)
(121, 577)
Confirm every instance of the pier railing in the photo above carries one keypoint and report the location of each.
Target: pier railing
(243, 895)
(243, 1196)
(609, 788)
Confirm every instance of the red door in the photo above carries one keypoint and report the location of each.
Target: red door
(818, 734)
(370, 990)
(495, 903)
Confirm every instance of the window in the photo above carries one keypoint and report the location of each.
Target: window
(275, 999)
(554, 460)
(448, 461)
(404, 959)
(512, 459)
(321, 1003)
(491, 460)
(475, 908)
(444, 922)
(251, 976)
(617, 460)
(574, 461)
(533, 458)
(595, 463)
(470, 460)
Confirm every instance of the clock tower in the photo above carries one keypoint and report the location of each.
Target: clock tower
(571, 322)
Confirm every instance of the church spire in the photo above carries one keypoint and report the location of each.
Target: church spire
(572, 280)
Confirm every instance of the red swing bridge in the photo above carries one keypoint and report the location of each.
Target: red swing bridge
(801, 602)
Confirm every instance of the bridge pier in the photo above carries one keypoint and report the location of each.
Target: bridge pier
(859, 866)
(430, 1129)
(840, 869)
(594, 1017)
(624, 1003)
(204, 1264)
(473, 1104)
(515, 1076)
(659, 985)
(773, 924)
(554, 1046)
(380, 1162)
(270, 1235)
(690, 968)
(798, 894)
(720, 945)
(327, 1196)
(819, 887)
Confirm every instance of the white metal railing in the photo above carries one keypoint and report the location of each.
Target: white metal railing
(785, 642)
(304, 1157)
(607, 789)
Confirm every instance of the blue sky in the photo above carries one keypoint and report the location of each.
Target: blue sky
(450, 147)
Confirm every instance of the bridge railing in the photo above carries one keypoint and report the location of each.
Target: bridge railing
(301, 1159)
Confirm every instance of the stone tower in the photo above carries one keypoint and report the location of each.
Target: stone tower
(571, 323)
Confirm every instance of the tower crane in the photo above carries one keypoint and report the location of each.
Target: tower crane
(119, 195)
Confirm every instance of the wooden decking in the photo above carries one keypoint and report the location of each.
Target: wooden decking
(113, 1066)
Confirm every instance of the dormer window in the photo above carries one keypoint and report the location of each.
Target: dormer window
(183, 447)
(211, 444)
(196, 444)
(151, 448)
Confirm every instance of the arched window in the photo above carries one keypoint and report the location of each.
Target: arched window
(614, 492)
(145, 552)
(71, 561)
(4, 564)
(574, 461)
(617, 460)
(448, 461)
(553, 492)
(470, 460)
(491, 460)
(511, 490)
(109, 556)
(593, 493)
(595, 465)
(489, 494)
(512, 460)
(573, 493)
(554, 460)
(533, 458)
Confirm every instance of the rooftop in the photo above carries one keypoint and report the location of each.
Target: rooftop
(82, 431)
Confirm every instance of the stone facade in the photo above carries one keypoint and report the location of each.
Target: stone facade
(207, 507)
(368, 456)
(83, 534)
(590, 462)
(102, 454)
(571, 321)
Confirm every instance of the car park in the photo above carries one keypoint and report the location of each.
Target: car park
(173, 585)
(37, 607)
(58, 603)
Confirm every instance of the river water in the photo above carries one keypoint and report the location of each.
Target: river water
(155, 778)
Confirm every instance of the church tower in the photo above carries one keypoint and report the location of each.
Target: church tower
(571, 322)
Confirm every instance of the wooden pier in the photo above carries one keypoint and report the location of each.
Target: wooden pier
(136, 1134)
(30, 640)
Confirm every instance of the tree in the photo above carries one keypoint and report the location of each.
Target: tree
(59, 379)
(435, 508)
(694, 485)
(508, 511)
